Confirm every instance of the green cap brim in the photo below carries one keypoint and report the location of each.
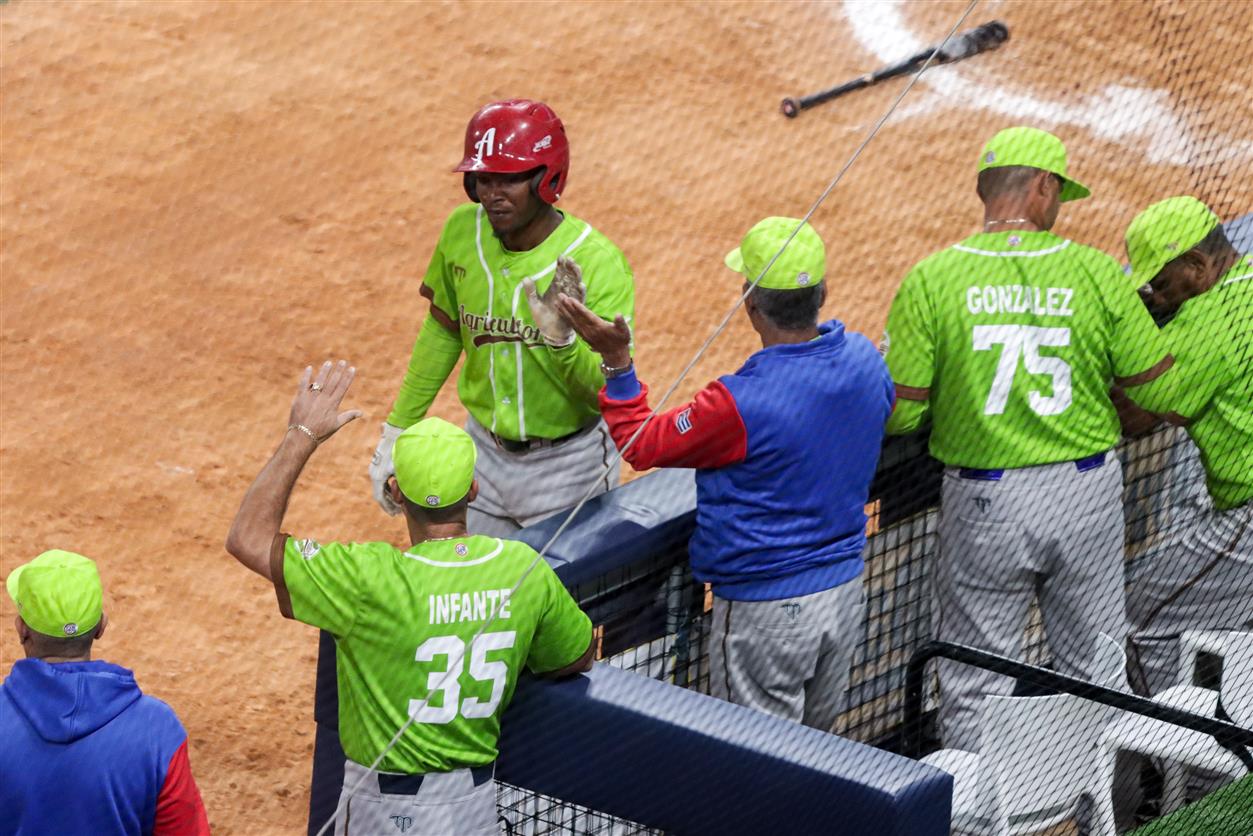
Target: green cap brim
(1072, 190)
(735, 260)
(11, 583)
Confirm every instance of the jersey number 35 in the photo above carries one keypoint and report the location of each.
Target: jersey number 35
(446, 681)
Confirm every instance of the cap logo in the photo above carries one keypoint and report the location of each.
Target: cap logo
(432, 500)
(802, 279)
(989, 157)
(486, 146)
(70, 629)
(546, 142)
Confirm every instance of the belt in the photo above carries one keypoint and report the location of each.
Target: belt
(1082, 465)
(512, 446)
(410, 784)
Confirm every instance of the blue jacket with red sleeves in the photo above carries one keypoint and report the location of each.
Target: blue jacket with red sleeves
(785, 450)
(82, 750)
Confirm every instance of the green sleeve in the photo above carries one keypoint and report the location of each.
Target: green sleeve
(907, 416)
(909, 339)
(435, 354)
(322, 583)
(437, 348)
(610, 293)
(1137, 344)
(1203, 367)
(564, 631)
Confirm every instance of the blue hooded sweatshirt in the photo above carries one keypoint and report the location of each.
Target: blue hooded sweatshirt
(83, 750)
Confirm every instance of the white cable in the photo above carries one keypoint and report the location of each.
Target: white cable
(700, 353)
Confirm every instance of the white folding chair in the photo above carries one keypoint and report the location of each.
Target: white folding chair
(1178, 747)
(1192, 644)
(1037, 756)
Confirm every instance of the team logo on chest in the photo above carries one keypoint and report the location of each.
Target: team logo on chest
(498, 329)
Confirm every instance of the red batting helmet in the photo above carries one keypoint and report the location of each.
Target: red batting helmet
(514, 136)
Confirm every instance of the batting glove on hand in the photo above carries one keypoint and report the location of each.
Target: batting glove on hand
(381, 469)
(554, 327)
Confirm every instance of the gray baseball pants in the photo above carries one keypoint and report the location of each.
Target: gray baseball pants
(788, 657)
(443, 803)
(1200, 578)
(1052, 533)
(517, 489)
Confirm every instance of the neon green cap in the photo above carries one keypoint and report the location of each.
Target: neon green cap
(801, 265)
(1165, 231)
(57, 594)
(1034, 148)
(434, 463)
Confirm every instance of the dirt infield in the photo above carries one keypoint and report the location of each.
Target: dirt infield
(198, 199)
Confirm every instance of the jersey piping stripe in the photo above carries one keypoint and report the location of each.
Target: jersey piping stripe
(1235, 279)
(1019, 254)
(458, 564)
(491, 292)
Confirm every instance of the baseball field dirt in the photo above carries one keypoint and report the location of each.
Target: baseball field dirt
(197, 199)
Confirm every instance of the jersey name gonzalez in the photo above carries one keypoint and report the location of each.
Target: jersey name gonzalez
(1019, 299)
(468, 606)
(498, 329)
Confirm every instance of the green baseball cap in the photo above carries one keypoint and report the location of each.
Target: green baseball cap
(801, 265)
(1165, 231)
(434, 463)
(1034, 148)
(58, 594)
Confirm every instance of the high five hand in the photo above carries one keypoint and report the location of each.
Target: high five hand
(568, 280)
(611, 340)
(316, 405)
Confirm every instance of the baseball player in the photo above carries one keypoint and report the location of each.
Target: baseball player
(785, 449)
(1201, 577)
(437, 632)
(529, 385)
(1008, 341)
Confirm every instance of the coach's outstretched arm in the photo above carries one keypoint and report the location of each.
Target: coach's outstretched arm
(314, 417)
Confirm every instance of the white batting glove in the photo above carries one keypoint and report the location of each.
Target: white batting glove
(553, 327)
(381, 469)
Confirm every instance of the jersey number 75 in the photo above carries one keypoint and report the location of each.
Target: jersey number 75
(1024, 341)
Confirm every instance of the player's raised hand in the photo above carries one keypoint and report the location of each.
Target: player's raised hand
(567, 280)
(316, 405)
(611, 340)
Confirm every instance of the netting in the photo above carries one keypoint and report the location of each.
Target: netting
(181, 178)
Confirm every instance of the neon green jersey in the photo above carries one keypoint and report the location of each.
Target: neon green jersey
(404, 626)
(511, 382)
(1212, 340)
(1018, 336)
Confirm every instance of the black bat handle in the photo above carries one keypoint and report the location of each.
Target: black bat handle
(791, 107)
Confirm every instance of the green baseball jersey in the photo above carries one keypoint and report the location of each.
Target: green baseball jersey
(1018, 336)
(512, 382)
(1212, 341)
(405, 625)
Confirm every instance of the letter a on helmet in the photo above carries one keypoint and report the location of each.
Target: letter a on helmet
(516, 136)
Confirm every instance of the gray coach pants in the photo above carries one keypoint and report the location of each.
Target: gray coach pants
(789, 657)
(1049, 532)
(461, 802)
(517, 489)
(1200, 578)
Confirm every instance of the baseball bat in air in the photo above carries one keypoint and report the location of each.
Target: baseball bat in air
(983, 38)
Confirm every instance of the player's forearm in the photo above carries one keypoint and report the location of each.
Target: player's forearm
(434, 356)
(1161, 389)
(260, 515)
(580, 368)
(907, 416)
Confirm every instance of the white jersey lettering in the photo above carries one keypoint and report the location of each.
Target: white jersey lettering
(1017, 298)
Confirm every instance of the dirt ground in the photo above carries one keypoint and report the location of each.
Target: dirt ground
(197, 199)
